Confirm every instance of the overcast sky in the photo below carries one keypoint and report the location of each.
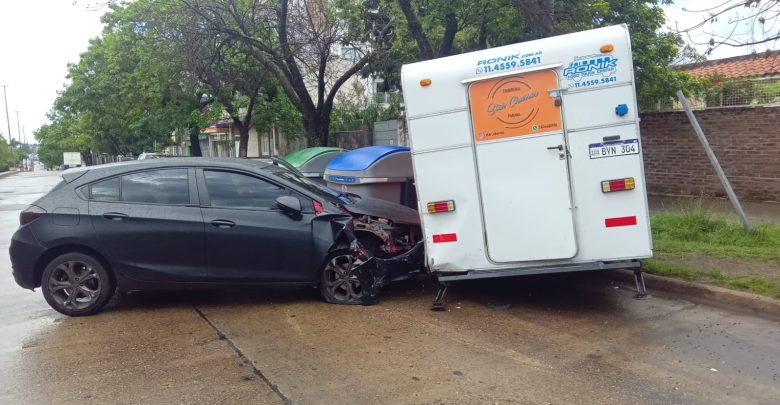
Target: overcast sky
(40, 37)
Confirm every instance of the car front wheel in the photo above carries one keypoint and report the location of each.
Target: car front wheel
(339, 283)
(76, 284)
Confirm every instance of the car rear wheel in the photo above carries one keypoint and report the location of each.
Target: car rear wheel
(339, 283)
(76, 284)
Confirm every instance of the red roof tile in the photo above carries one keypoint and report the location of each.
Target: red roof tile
(755, 65)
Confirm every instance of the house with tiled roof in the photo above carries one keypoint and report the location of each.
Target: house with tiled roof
(741, 80)
(757, 65)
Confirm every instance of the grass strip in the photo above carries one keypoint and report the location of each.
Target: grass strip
(754, 283)
(695, 230)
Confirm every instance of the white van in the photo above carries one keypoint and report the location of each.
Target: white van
(527, 158)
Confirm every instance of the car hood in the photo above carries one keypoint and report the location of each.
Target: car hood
(384, 209)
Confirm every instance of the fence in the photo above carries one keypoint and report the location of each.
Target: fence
(727, 93)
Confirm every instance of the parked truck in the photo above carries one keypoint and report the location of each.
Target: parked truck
(527, 158)
(71, 159)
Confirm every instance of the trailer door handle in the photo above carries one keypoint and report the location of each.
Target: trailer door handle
(559, 148)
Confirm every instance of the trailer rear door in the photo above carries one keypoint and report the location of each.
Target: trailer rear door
(520, 152)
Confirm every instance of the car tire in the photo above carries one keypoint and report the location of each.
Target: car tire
(338, 282)
(76, 284)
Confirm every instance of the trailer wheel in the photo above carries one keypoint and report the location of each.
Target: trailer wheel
(339, 283)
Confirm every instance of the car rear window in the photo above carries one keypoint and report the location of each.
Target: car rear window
(106, 190)
(169, 186)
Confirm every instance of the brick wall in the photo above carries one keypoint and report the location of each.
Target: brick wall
(746, 141)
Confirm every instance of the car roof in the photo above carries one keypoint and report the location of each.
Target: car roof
(111, 169)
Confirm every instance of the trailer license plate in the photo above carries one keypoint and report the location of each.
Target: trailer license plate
(614, 148)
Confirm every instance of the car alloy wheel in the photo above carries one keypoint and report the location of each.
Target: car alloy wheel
(339, 283)
(76, 284)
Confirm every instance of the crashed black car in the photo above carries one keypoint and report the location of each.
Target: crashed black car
(201, 223)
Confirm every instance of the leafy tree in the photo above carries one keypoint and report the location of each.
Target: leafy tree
(63, 134)
(520, 20)
(126, 98)
(216, 63)
(8, 156)
(298, 42)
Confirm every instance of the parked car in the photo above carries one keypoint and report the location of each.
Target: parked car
(151, 155)
(277, 161)
(204, 223)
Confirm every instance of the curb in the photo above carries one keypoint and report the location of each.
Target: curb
(8, 173)
(711, 295)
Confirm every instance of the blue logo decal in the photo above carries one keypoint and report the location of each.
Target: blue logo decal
(590, 65)
(342, 179)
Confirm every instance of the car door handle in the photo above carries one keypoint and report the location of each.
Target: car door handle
(115, 216)
(223, 223)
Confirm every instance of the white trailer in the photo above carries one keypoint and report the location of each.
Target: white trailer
(71, 159)
(527, 158)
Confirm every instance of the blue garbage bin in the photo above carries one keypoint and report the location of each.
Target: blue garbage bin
(383, 172)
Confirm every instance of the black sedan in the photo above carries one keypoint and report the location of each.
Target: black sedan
(195, 223)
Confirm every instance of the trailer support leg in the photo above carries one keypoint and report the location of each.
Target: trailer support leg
(438, 302)
(639, 279)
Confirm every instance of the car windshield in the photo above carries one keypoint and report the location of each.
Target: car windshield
(325, 192)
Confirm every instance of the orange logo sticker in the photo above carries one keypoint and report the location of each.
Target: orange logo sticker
(514, 106)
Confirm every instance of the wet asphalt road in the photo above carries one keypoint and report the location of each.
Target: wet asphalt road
(570, 338)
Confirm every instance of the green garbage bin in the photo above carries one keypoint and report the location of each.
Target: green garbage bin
(311, 162)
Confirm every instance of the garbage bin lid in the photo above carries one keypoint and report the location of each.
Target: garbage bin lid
(363, 158)
(300, 157)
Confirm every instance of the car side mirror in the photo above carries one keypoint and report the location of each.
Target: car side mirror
(290, 205)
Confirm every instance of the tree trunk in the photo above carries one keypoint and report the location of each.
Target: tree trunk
(416, 30)
(195, 142)
(540, 16)
(243, 140)
(317, 127)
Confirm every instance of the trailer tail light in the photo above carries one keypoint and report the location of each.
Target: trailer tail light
(425, 82)
(30, 214)
(608, 186)
(607, 48)
(318, 208)
(441, 206)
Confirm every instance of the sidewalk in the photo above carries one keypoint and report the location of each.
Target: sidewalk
(7, 173)
(756, 211)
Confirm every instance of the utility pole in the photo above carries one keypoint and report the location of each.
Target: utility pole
(7, 118)
(18, 127)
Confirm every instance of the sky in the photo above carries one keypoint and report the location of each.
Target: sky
(38, 38)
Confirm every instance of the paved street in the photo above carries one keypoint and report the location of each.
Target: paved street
(570, 338)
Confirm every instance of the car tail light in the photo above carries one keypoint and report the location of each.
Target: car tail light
(441, 206)
(609, 186)
(318, 208)
(30, 214)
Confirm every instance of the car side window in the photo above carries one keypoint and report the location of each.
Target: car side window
(167, 186)
(236, 190)
(106, 190)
